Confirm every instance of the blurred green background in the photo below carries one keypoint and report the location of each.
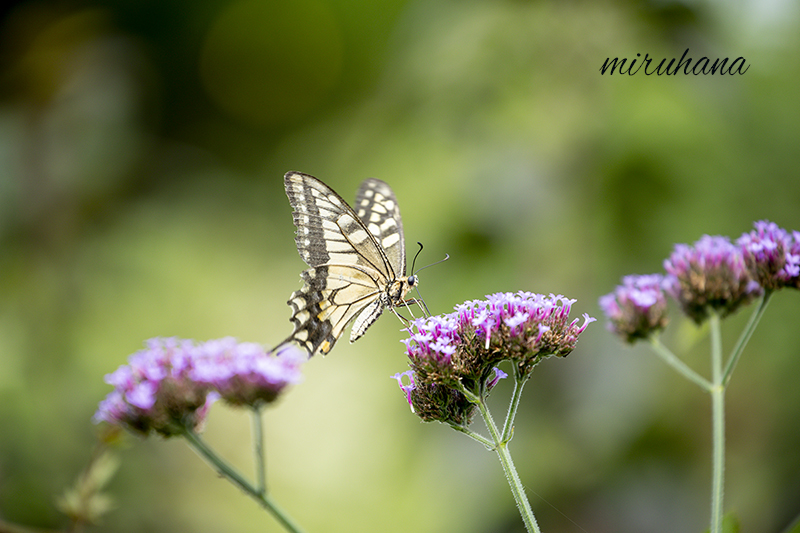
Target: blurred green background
(142, 149)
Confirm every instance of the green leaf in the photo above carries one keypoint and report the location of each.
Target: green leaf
(730, 524)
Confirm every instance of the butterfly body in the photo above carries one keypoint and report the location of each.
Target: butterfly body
(356, 258)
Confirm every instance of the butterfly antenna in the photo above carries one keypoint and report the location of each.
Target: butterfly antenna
(421, 301)
(446, 257)
(414, 261)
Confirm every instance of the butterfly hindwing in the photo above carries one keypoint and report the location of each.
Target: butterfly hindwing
(377, 207)
(354, 259)
(329, 299)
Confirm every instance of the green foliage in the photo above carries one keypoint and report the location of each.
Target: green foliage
(139, 197)
(730, 524)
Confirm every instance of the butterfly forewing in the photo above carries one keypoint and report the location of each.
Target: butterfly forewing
(355, 259)
(328, 230)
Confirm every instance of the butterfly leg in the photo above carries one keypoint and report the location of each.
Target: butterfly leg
(407, 304)
(406, 322)
(421, 303)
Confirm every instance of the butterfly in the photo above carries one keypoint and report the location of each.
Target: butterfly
(357, 260)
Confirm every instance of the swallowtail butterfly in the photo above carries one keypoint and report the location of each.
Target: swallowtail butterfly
(357, 260)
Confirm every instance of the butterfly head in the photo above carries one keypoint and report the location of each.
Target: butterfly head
(412, 281)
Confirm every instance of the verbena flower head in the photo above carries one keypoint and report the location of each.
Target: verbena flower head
(244, 373)
(709, 276)
(637, 308)
(171, 384)
(464, 347)
(523, 327)
(155, 391)
(772, 255)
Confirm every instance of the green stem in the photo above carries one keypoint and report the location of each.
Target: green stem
(226, 470)
(745, 336)
(258, 451)
(516, 488)
(505, 460)
(508, 425)
(476, 436)
(718, 425)
(672, 360)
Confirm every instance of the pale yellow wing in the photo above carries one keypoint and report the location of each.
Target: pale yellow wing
(354, 259)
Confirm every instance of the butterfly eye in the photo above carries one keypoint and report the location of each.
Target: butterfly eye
(412, 280)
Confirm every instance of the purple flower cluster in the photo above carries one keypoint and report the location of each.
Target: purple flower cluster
(463, 348)
(171, 384)
(243, 373)
(712, 275)
(523, 326)
(772, 255)
(433, 345)
(637, 308)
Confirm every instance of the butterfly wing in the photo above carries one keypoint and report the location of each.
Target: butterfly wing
(349, 271)
(377, 207)
(330, 298)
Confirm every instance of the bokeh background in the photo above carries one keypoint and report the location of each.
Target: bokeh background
(142, 149)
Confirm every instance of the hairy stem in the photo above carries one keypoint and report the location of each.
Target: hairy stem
(682, 368)
(501, 447)
(745, 336)
(258, 451)
(508, 426)
(718, 426)
(227, 471)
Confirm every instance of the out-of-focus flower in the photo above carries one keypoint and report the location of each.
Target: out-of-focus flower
(462, 349)
(155, 391)
(711, 275)
(637, 308)
(170, 385)
(244, 373)
(772, 255)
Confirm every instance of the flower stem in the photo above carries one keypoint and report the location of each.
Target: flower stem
(718, 425)
(504, 455)
(682, 368)
(516, 488)
(226, 470)
(258, 451)
(476, 436)
(745, 336)
(508, 425)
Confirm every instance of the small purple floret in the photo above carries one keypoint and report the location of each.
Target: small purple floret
(406, 388)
